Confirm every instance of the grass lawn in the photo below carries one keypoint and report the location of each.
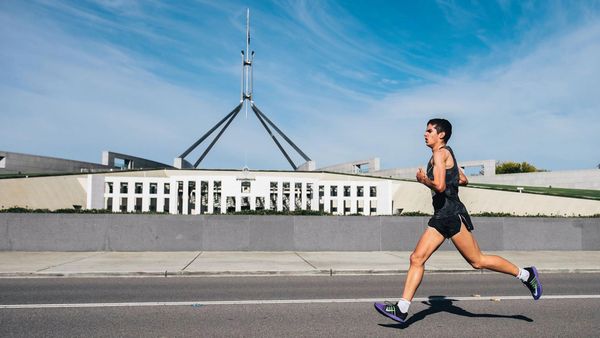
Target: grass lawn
(563, 192)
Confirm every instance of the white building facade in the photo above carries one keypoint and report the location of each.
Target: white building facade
(218, 192)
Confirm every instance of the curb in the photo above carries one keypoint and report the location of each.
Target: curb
(265, 273)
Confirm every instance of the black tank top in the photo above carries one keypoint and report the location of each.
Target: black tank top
(447, 203)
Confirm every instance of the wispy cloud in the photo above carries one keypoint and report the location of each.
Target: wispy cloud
(148, 78)
(534, 108)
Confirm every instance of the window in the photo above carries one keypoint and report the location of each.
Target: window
(373, 207)
(191, 196)
(108, 188)
(138, 204)
(298, 196)
(260, 203)
(179, 197)
(286, 186)
(321, 190)
(230, 203)
(138, 187)
(245, 187)
(286, 202)
(363, 168)
(245, 203)
(216, 197)
(273, 202)
(373, 191)
(273, 187)
(2, 162)
(333, 206)
(203, 197)
(216, 203)
(153, 188)
(109, 203)
(153, 204)
(333, 192)
(346, 191)
(166, 207)
(360, 191)
(123, 206)
(167, 188)
(119, 163)
(123, 189)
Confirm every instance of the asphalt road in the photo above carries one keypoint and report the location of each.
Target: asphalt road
(463, 305)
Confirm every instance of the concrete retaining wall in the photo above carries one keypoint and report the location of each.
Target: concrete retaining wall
(110, 232)
(576, 179)
(24, 163)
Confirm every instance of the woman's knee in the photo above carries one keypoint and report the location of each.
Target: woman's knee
(477, 263)
(417, 259)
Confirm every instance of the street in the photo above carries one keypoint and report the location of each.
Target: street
(447, 305)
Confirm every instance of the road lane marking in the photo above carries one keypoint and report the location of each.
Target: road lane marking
(281, 301)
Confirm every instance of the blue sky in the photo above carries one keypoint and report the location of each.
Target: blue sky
(345, 80)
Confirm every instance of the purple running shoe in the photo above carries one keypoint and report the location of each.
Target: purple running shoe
(391, 310)
(533, 283)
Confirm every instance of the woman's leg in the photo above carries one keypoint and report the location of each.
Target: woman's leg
(468, 248)
(429, 242)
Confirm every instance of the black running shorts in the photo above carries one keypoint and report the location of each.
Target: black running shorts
(450, 226)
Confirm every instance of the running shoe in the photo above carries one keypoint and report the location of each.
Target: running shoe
(391, 310)
(533, 283)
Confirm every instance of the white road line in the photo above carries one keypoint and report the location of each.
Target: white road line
(280, 301)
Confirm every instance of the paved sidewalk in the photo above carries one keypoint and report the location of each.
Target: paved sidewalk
(214, 263)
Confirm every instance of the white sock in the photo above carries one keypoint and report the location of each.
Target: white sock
(523, 275)
(403, 304)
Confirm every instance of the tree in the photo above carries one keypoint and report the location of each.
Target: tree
(513, 168)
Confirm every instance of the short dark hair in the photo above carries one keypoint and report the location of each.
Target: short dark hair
(442, 125)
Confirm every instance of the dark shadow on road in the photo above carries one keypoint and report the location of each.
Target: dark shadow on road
(442, 304)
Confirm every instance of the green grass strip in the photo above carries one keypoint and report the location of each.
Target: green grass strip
(561, 192)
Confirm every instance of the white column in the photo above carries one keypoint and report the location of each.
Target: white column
(223, 199)
(292, 196)
(305, 195)
(280, 196)
(145, 196)
(327, 198)
(211, 203)
(315, 198)
(353, 199)
(268, 198)
(131, 196)
(160, 196)
(198, 197)
(116, 196)
(173, 197)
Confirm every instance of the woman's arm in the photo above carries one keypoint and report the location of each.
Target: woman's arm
(462, 179)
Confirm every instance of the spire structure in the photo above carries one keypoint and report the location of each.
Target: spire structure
(245, 99)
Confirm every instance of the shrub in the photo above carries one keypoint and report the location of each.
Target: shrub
(275, 212)
(413, 213)
(513, 168)
(493, 214)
